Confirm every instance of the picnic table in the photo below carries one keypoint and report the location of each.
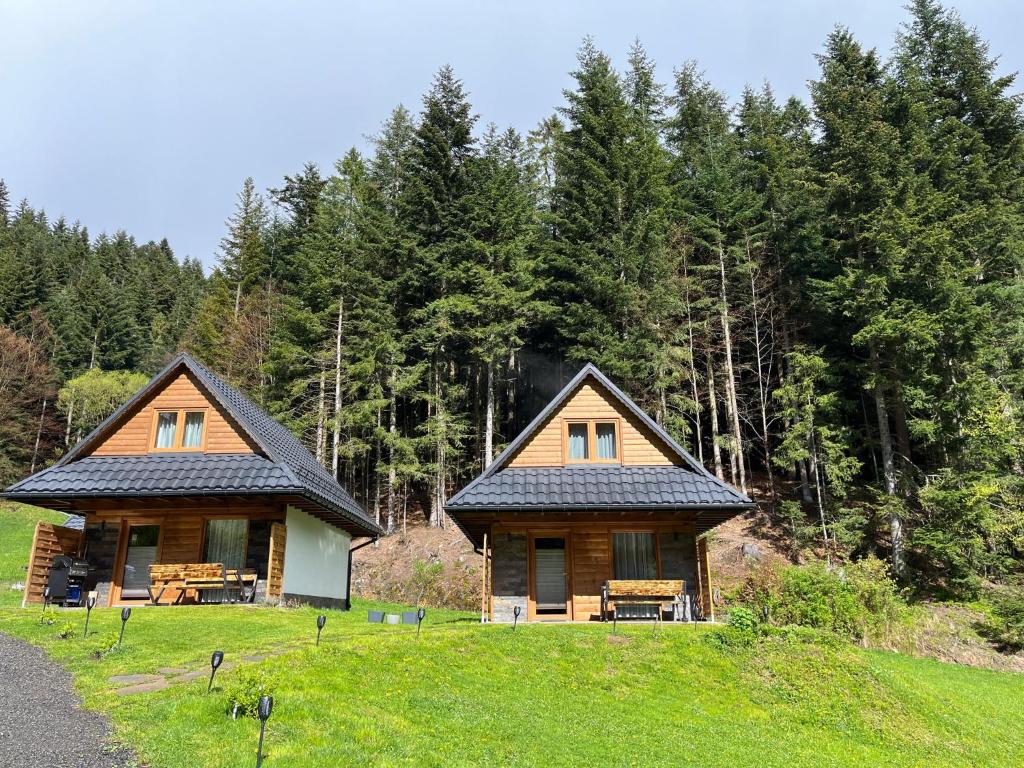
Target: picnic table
(193, 577)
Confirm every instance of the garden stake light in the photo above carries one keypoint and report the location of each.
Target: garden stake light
(515, 616)
(265, 708)
(420, 613)
(215, 661)
(126, 614)
(89, 605)
(46, 603)
(320, 621)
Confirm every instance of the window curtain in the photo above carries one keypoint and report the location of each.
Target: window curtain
(193, 437)
(578, 441)
(225, 543)
(635, 558)
(606, 441)
(165, 428)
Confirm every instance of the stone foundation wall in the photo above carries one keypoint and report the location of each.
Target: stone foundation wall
(509, 576)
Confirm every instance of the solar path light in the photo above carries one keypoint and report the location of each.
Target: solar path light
(90, 603)
(320, 621)
(46, 603)
(215, 661)
(265, 708)
(420, 613)
(516, 610)
(126, 613)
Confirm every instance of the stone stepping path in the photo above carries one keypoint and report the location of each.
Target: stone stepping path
(165, 677)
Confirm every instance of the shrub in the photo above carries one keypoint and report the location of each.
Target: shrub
(103, 645)
(246, 687)
(1005, 627)
(858, 601)
(48, 617)
(742, 619)
(66, 631)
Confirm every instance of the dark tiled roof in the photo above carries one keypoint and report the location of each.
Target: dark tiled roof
(596, 487)
(74, 522)
(158, 474)
(287, 466)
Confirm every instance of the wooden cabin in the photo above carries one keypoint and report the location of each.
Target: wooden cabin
(190, 483)
(592, 491)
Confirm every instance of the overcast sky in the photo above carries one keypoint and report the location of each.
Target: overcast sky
(147, 116)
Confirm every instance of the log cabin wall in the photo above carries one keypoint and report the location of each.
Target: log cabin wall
(590, 557)
(640, 446)
(182, 535)
(134, 436)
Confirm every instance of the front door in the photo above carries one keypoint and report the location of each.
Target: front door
(550, 578)
(139, 554)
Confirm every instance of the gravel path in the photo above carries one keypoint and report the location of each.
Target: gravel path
(41, 725)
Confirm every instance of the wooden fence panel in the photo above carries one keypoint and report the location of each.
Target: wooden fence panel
(48, 542)
(275, 566)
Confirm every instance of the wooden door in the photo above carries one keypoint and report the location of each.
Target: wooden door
(550, 588)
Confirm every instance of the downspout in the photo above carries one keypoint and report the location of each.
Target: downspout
(348, 581)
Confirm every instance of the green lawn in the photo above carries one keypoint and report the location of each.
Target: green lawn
(17, 523)
(463, 694)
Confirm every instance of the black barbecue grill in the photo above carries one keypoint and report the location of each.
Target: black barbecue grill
(67, 580)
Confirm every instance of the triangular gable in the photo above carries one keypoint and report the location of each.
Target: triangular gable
(591, 394)
(179, 384)
(132, 433)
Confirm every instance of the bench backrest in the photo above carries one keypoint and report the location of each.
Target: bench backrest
(183, 571)
(644, 587)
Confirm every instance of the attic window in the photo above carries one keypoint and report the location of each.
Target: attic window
(591, 441)
(179, 430)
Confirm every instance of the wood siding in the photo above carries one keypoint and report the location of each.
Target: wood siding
(275, 567)
(182, 531)
(49, 541)
(134, 435)
(640, 446)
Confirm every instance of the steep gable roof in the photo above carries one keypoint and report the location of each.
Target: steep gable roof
(591, 371)
(582, 487)
(293, 468)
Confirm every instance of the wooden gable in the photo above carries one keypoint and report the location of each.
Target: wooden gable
(133, 434)
(640, 445)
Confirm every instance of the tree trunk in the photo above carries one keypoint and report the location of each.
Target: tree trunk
(731, 402)
(392, 437)
(888, 466)
(39, 437)
(698, 438)
(762, 383)
(67, 429)
(489, 417)
(321, 422)
(336, 444)
(716, 449)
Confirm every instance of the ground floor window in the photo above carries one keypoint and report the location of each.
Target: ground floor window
(635, 555)
(225, 542)
(635, 558)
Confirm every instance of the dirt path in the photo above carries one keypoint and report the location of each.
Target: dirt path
(41, 722)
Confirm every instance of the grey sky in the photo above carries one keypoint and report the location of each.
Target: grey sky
(147, 116)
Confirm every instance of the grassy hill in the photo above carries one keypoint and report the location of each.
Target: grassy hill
(465, 694)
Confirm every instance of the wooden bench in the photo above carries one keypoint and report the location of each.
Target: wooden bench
(664, 593)
(186, 577)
